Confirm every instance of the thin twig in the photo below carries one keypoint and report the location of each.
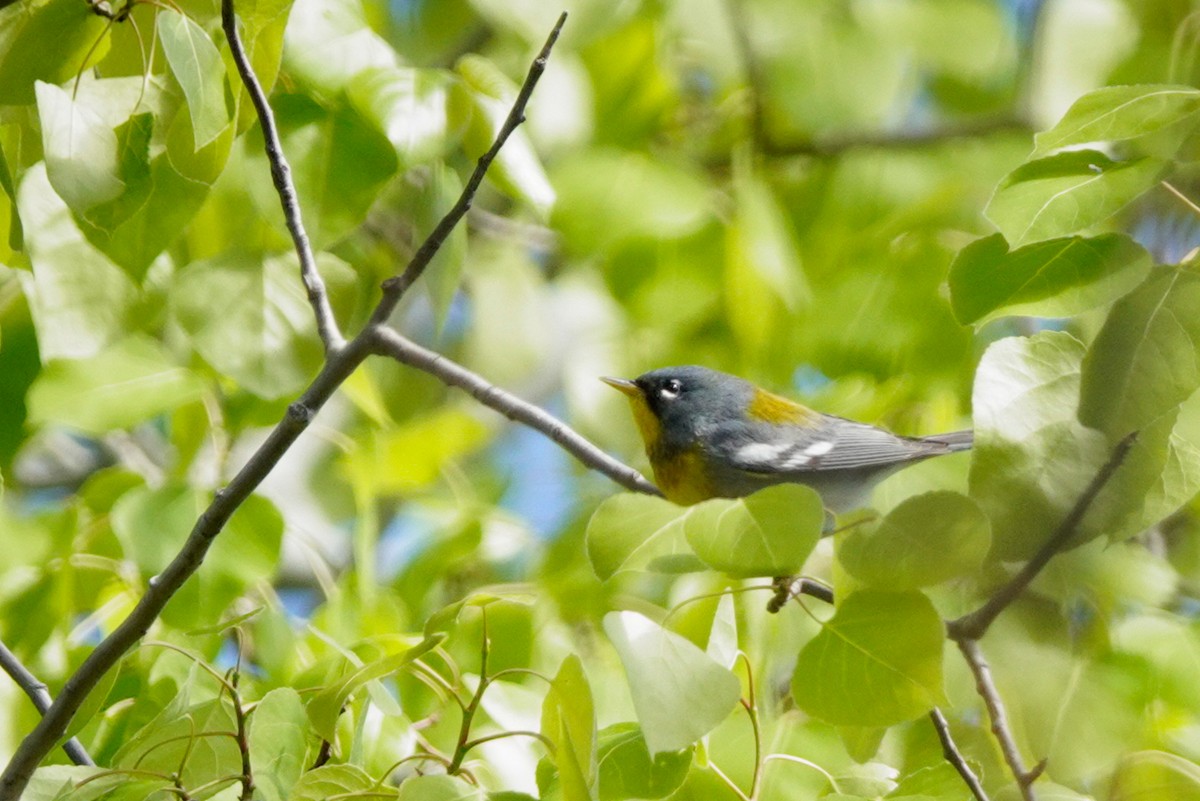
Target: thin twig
(954, 756)
(242, 735)
(390, 343)
(468, 714)
(973, 625)
(395, 287)
(1187, 201)
(999, 719)
(40, 695)
(789, 587)
(281, 175)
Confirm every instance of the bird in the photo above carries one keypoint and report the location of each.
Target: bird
(709, 434)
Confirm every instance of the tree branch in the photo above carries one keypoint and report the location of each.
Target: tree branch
(281, 175)
(954, 756)
(1000, 728)
(973, 625)
(37, 692)
(395, 287)
(388, 342)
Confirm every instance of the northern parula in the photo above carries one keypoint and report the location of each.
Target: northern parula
(713, 435)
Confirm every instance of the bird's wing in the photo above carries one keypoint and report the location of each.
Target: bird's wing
(836, 444)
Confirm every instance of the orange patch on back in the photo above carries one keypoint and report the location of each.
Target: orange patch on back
(776, 409)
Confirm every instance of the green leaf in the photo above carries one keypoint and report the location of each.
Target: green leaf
(925, 540)
(628, 771)
(1032, 457)
(326, 705)
(517, 169)
(444, 274)
(1056, 278)
(250, 320)
(569, 720)
(328, 43)
(81, 150)
(1143, 362)
(277, 743)
(633, 532)
(769, 533)
(329, 781)
(51, 46)
(152, 524)
(120, 387)
(679, 693)
(1153, 775)
(876, 662)
(409, 107)
(438, 788)
(1117, 113)
(198, 67)
(1065, 193)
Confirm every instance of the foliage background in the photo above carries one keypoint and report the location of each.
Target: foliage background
(773, 188)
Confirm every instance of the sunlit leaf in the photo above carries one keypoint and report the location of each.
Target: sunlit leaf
(328, 43)
(876, 662)
(1032, 457)
(1056, 278)
(679, 693)
(438, 788)
(123, 385)
(200, 71)
(639, 532)
(51, 45)
(277, 741)
(925, 540)
(628, 771)
(81, 150)
(1147, 775)
(769, 533)
(569, 720)
(1117, 113)
(328, 781)
(1060, 195)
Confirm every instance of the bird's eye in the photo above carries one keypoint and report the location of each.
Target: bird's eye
(671, 389)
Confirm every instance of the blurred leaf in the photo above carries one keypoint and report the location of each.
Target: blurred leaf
(1117, 113)
(248, 549)
(277, 743)
(876, 662)
(1143, 362)
(328, 43)
(723, 636)
(81, 150)
(152, 524)
(329, 781)
(50, 45)
(1147, 775)
(325, 707)
(517, 168)
(250, 319)
(339, 163)
(630, 531)
(607, 197)
(769, 533)
(410, 107)
(198, 67)
(1032, 457)
(125, 384)
(438, 788)
(1062, 194)
(444, 274)
(1056, 278)
(569, 720)
(628, 771)
(414, 454)
(925, 540)
(678, 692)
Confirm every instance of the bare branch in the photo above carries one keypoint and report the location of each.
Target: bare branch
(789, 587)
(954, 756)
(389, 343)
(999, 719)
(281, 175)
(395, 287)
(973, 625)
(40, 696)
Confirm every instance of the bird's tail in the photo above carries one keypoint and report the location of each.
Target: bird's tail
(956, 440)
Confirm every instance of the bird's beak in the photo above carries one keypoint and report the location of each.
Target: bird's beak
(622, 385)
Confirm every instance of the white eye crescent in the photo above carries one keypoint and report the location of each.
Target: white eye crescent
(671, 389)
